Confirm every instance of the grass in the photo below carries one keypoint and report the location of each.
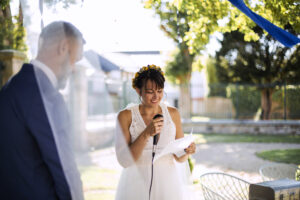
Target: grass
(233, 138)
(98, 183)
(285, 156)
(96, 178)
(98, 196)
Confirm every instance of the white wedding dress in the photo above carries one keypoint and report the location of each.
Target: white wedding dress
(135, 180)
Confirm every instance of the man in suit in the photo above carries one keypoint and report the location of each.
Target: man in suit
(36, 159)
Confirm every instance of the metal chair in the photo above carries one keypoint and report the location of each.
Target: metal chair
(276, 171)
(221, 186)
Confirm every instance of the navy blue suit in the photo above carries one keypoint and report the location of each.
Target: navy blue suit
(30, 166)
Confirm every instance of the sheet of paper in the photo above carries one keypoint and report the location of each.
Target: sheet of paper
(176, 146)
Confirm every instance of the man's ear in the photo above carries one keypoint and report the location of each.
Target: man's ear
(63, 47)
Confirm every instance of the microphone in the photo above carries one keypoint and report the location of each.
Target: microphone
(155, 137)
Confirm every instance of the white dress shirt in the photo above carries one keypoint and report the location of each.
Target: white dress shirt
(49, 73)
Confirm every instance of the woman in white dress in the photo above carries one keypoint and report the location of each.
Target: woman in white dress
(134, 143)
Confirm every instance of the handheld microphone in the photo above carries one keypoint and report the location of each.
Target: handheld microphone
(155, 137)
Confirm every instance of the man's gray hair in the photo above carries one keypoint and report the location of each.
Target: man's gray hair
(58, 30)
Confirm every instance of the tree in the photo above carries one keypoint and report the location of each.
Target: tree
(207, 17)
(264, 62)
(12, 32)
(175, 24)
(215, 87)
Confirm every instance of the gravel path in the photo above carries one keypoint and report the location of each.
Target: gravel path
(237, 159)
(234, 158)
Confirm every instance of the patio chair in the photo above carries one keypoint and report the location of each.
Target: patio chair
(274, 171)
(221, 186)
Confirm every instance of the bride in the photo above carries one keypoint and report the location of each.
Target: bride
(134, 141)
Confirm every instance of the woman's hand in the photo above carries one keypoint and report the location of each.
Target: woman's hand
(191, 149)
(155, 126)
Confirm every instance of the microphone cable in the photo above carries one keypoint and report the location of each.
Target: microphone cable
(155, 140)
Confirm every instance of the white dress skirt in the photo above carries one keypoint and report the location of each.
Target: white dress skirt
(135, 179)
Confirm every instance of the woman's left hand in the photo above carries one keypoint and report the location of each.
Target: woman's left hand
(191, 149)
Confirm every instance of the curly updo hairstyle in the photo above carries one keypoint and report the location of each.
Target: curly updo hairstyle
(150, 72)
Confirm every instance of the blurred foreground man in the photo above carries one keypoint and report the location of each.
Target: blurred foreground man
(36, 158)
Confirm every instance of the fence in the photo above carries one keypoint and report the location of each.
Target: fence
(243, 101)
(233, 101)
(228, 101)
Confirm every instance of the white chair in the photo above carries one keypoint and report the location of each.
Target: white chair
(221, 186)
(274, 171)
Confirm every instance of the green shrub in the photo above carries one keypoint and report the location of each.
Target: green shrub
(293, 103)
(245, 99)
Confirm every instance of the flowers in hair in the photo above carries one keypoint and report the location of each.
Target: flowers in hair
(144, 69)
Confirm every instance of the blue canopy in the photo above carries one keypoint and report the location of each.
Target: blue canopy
(279, 34)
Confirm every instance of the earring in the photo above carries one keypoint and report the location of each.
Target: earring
(164, 99)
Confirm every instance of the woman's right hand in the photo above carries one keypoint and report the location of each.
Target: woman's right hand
(155, 126)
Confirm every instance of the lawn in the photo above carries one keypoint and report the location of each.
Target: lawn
(98, 196)
(99, 183)
(285, 156)
(232, 138)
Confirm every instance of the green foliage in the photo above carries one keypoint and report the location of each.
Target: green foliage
(4, 4)
(215, 88)
(282, 155)
(292, 101)
(6, 33)
(264, 63)
(191, 162)
(177, 69)
(207, 17)
(12, 32)
(245, 99)
(19, 34)
(261, 62)
(175, 24)
(297, 175)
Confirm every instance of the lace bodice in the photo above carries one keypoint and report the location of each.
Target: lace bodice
(138, 125)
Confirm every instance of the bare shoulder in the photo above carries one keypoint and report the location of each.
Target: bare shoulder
(125, 116)
(173, 112)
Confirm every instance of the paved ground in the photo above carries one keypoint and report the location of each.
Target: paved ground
(237, 159)
(234, 158)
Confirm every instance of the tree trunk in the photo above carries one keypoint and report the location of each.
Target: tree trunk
(185, 94)
(7, 26)
(8, 20)
(20, 17)
(266, 103)
(185, 101)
